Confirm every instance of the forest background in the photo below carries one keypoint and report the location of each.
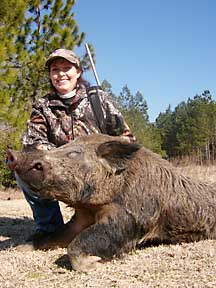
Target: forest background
(29, 31)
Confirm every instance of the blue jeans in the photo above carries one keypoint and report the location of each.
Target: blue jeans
(46, 213)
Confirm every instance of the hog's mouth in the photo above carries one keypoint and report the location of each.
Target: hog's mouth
(35, 174)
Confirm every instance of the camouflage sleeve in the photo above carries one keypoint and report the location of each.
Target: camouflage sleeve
(115, 123)
(36, 133)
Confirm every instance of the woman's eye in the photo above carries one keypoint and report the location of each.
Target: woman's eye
(67, 68)
(54, 70)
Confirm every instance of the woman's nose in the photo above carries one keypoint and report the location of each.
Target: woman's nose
(61, 73)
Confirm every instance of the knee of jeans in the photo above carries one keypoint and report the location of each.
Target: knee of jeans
(23, 186)
(30, 195)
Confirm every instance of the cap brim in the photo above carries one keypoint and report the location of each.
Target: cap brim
(49, 61)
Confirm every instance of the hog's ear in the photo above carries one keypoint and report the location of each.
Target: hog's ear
(116, 155)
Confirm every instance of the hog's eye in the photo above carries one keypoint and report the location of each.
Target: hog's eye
(74, 153)
(38, 166)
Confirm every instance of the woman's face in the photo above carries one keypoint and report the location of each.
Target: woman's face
(63, 75)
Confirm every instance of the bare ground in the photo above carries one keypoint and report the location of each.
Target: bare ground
(186, 265)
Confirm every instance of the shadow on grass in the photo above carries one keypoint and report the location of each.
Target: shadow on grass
(15, 230)
(64, 262)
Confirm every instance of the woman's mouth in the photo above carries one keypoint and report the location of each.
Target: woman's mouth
(61, 82)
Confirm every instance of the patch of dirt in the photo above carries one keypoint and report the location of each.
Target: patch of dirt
(164, 266)
(11, 194)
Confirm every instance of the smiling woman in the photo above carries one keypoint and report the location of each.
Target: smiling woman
(64, 70)
(64, 75)
(59, 117)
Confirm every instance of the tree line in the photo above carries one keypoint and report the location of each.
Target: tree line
(187, 132)
(190, 129)
(29, 31)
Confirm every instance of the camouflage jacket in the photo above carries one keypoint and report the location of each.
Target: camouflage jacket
(55, 121)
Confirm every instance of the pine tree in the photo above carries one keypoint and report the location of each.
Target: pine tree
(165, 122)
(135, 111)
(107, 87)
(190, 130)
(37, 28)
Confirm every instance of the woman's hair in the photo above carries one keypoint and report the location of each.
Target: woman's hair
(83, 82)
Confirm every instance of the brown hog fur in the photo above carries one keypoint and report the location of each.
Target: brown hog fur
(123, 194)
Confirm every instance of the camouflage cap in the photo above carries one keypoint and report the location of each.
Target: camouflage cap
(63, 53)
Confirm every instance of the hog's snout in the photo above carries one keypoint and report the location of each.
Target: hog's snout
(11, 160)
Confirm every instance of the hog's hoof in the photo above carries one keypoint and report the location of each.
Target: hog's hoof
(84, 262)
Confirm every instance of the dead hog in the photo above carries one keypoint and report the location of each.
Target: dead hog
(122, 194)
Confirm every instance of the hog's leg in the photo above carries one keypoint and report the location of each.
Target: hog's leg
(64, 235)
(108, 237)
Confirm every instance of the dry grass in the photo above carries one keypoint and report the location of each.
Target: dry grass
(186, 265)
(203, 173)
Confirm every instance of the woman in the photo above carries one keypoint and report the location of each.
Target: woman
(59, 117)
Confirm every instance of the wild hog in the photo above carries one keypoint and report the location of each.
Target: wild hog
(122, 193)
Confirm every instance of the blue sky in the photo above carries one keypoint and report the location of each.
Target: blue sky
(166, 49)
